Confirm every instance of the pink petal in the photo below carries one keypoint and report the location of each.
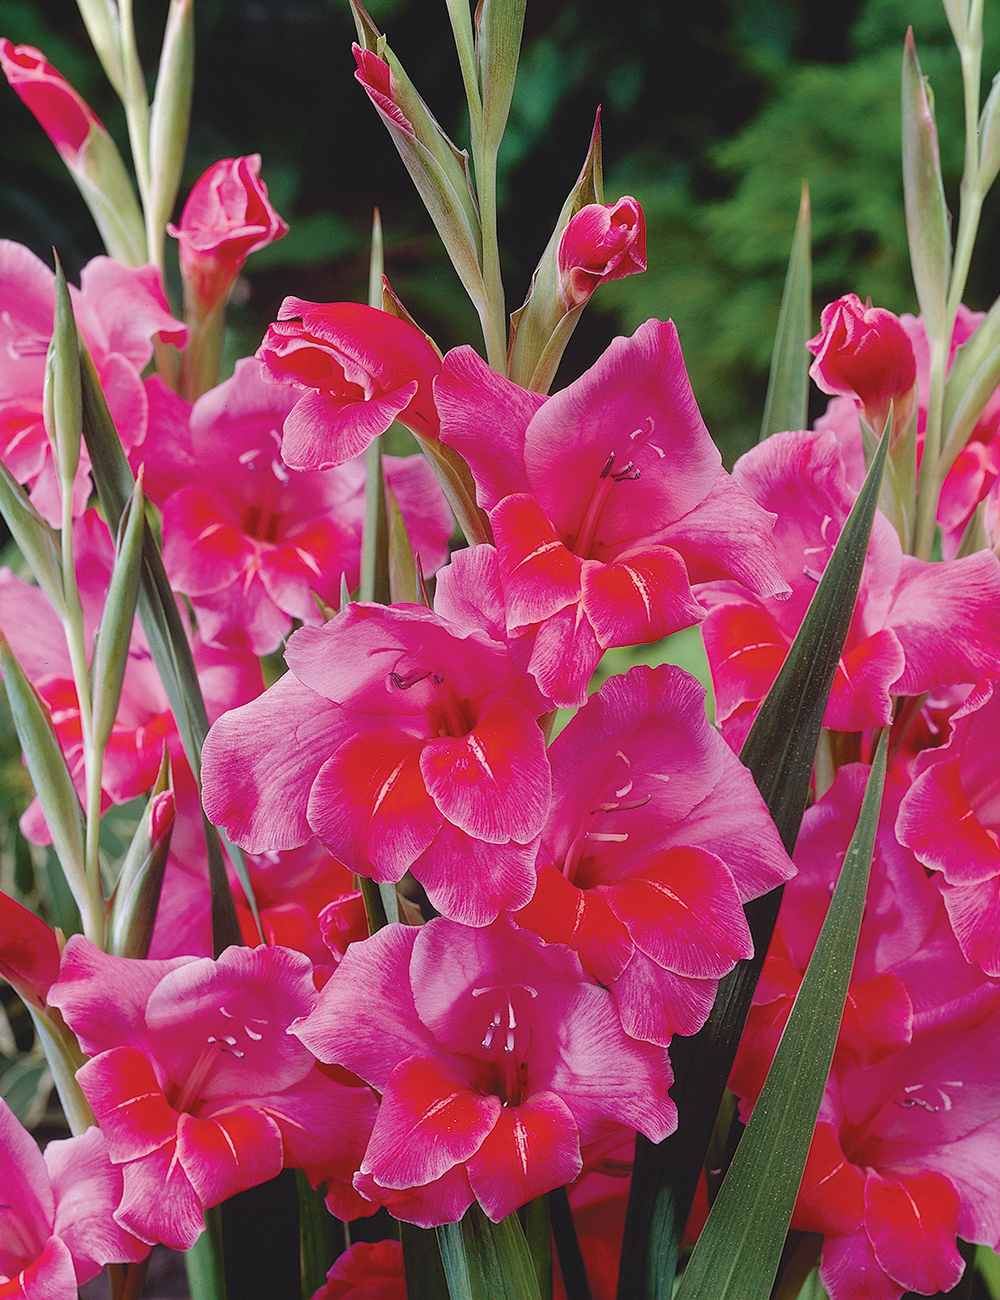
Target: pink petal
(104, 998)
(158, 1202)
(135, 1116)
(831, 1195)
(88, 1188)
(229, 1152)
(471, 397)
(974, 913)
(745, 649)
(848, 1268)
(259, 763)
(938, 823)
(50, 1276)
(641, 596)
(494, 783)
(565, 654)
(202, 550)
(369, 804)
(562, 913)
(532, 1149)
(429, 1119)
(654, 1004)
(325, 429)
(28, 1192)
(540, 576)
(860, 695)
(444, 1200)
(683, 911)
(911, 1221)
(472, 881)
(878, 1019)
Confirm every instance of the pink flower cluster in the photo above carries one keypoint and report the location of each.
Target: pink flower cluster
(567, 907)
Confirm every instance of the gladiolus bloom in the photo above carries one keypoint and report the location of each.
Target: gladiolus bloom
(865, 353)
(198, 1088)
(364, 367)
(57, 1229)
(496, 1058)
(603, 241)
(227, 217)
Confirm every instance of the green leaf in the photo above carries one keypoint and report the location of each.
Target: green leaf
(779, 752)
(787, 404)
(112, 641)
(422, 1261)
(498, 44)
(404, 576)
(927, 220)
(49, 773)
(486, 1261)
(321, 1236)
(161, 622)
(35, 539)
(204, 1263)
(739, 1248)
(571, 1263)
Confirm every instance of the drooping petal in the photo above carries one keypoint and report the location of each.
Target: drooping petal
(563, 913)
(370, 806)
(849, 1262)
(655, 1004)
(429, 1120)
(564, 656)
(539, 574)
(939, 824)
(50, 1276)
(860, 696)
(493, 783)
(683, 911)
(974, 912)
(229, 1152)
(642, 595)
(325, 429)
(472, 881)
(831, 1195)
(127, 1098)
(531, 1149)
(158, 1202)
(444, 1200)
(911, 1220)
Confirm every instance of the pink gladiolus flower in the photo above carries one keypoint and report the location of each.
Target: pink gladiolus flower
(656, 837)
(865, 353)
(496, 1058)
(404, 742)
(119, 311)
(905, 1150)
(58, 1230)
(916, 626)
(227, 217)
(250, 540)
(607, 502)
(197, 1087)
(64, 115)
(366, 1271)
(364, 367)
(29, 953)
(978, 463)
(950, 818)
(603, 241)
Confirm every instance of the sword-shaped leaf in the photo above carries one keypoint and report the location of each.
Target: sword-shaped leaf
(787, 403)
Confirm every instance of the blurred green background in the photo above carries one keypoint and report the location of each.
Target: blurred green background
(713, 111)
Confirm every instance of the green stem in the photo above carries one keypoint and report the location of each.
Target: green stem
(971, 54)
(93, 913)
(927, 497)
(494, 309)
(201, 358)
(461, 26)
(136, 101)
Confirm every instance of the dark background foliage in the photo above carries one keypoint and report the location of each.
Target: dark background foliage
(713, 111)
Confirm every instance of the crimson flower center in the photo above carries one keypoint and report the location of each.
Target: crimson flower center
(506, 1040)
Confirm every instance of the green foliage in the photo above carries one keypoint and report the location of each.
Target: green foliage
(717, 267)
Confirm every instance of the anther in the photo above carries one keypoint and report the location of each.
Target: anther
(629, 474)
(411, 679)
(607, 466)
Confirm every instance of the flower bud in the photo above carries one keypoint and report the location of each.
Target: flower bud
(227, 217)
(604, 241)
(84, 146)
(29, 952)
(863, 352)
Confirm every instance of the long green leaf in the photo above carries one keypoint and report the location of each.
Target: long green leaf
(161, 622)
(787, 404)
(779, 752)
(739, 1248)
(422, 1261)
(927, 220)
(487, 1261)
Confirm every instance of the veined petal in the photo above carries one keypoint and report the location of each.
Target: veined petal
(640, 596)
(429, 1120)
(135, 1116)
(472, 881)
(562, 913)
(494, 783)
(539, 574)
(369, 804)
(683, 911)
(564, 656)
(229, 1152)
(860, 696)
(158, 1202)
(939, 824)
(326, 429)
(531, 1149)
(911, 1221)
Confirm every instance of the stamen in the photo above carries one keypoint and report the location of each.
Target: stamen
(607, 466)
(411, 679)
(629, 474)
